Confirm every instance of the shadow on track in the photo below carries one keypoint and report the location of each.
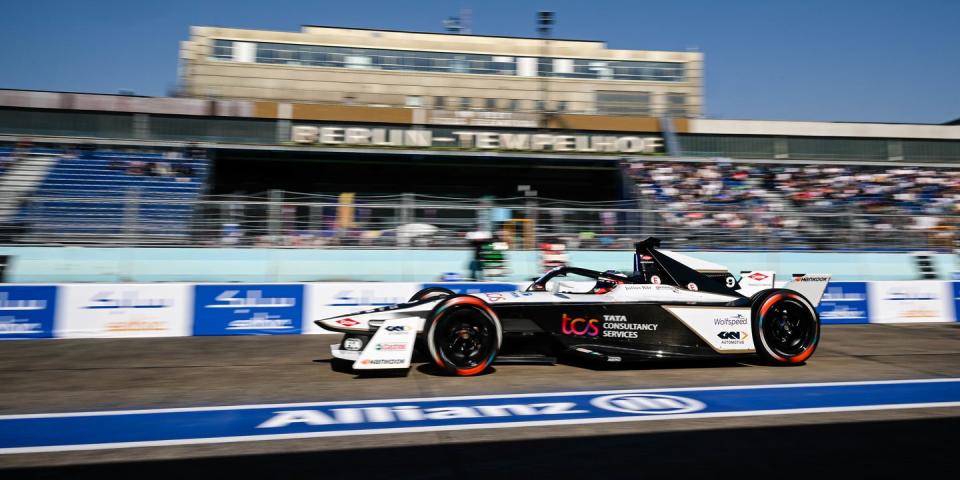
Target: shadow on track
(898, 448)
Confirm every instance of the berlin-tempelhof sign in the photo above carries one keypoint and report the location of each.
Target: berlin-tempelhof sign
(473, 139)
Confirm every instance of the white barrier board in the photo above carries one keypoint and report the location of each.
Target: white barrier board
(332, 299)
(124, 310)
(910, 302)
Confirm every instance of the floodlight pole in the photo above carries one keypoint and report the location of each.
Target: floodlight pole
(545, 20)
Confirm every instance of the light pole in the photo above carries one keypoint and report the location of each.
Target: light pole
(545, 20)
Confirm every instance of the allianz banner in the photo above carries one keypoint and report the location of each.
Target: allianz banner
(244, 309)
(911, 302)
(844, 302)
(124, 310)
(27, 311)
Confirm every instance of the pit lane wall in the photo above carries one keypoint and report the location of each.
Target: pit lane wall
(97, 310)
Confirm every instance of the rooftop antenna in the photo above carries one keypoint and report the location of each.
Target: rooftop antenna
(466, 21)
(453, 25)
(460, 23)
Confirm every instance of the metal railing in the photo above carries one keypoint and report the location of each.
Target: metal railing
(280, 219)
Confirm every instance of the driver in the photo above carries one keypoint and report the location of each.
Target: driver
(605, 284)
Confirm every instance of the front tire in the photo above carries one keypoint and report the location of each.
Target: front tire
(786, 327)
(463, 335)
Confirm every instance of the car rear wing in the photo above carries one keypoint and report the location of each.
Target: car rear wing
(656, 267)
(811, 286)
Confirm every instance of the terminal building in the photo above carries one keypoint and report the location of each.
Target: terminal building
(440, 72)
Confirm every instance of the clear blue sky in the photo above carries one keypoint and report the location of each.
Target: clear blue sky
(845, 60)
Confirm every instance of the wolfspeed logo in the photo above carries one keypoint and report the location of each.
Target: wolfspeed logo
(738, 319)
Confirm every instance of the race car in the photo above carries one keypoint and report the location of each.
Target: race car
(671, 306)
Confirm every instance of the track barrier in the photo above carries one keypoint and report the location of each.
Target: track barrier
(117, 310)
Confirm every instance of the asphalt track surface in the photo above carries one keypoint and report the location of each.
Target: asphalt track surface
(112, 374)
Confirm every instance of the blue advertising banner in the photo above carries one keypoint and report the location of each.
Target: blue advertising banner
(474, 287)
(844, 302)
(242, 309)
(27, 311)
(956, 301)
(53, 432)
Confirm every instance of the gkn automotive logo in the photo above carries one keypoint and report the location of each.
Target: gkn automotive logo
(733, 337)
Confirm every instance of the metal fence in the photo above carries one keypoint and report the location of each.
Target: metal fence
(278, 219)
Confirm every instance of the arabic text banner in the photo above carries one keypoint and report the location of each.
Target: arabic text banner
(27, 311)
(332, 299)
(244, 309)
(911, 302)
(124, 310)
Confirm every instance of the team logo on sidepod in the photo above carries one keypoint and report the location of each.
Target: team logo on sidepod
(758, 276)
(648, 404)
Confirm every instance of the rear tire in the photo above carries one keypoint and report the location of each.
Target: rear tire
(463, 335)
(786, 327)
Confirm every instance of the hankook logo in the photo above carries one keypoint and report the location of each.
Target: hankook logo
(648, 404)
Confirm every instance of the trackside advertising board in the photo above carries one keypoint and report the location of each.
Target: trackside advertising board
(911, 302)
(333, 299)
(27, 311)
(244, 309)
(956, 300)
(124, 310)
(844, 302)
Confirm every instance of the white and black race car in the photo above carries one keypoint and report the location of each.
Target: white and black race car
(671, 306)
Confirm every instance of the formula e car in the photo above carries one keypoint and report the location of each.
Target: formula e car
(671, 306)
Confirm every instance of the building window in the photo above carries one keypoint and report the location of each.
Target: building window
(676, 105)
(223, 49)
(443, 62)
(491, 103)
(465, 103)
(623, 103)
(439, 102)
(514, 105)
(414, 101)
(562, 106)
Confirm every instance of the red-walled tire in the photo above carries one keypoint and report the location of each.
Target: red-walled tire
(463, 335)
(786, 327)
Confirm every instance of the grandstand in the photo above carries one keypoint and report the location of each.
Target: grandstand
(105, 169)
(105, 196)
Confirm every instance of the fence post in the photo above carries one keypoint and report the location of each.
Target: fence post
(407, 206)
(274, 213)
(131, 212)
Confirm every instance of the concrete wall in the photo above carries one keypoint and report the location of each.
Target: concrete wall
(95, 264)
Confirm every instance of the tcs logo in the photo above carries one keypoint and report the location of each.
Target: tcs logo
(579, 326)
